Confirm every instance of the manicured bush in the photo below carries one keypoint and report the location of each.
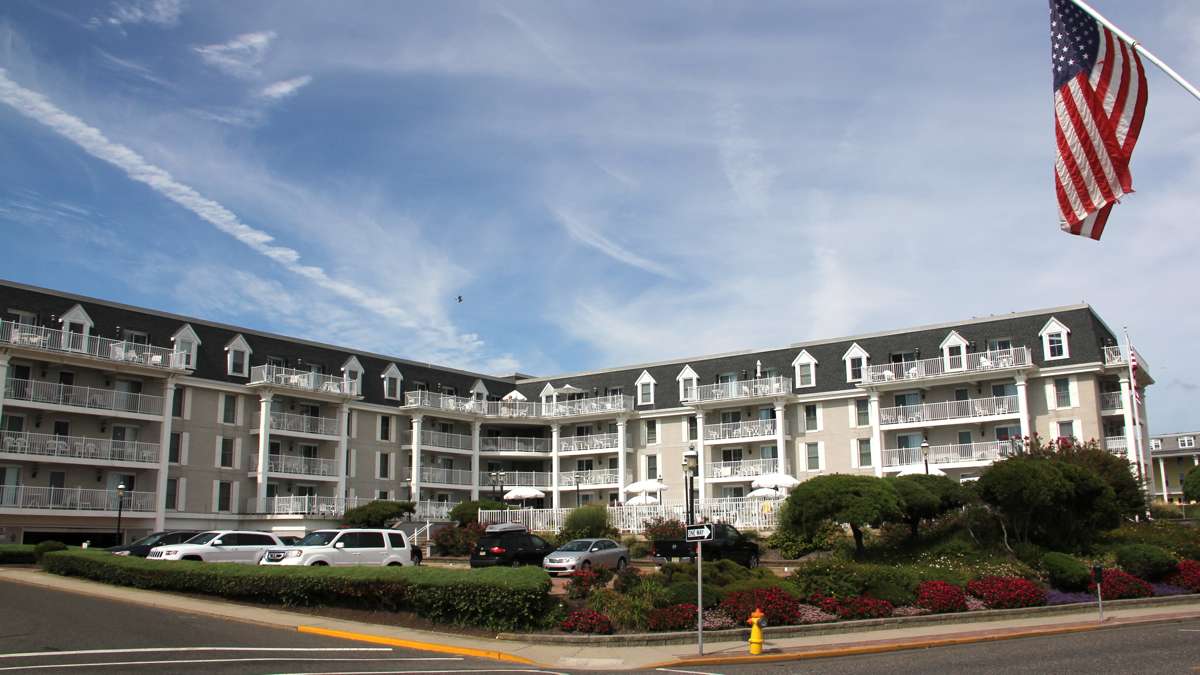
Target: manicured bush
(587, 621)
(42, 548)
(1065, 572)
(1145, 561)
(1161, 511)
(17, 554)
(379, 513)
(720, 573)
(456, 539)
(857, 501)
(586, 522)
(1007, 592)
(673, 617)
(780, 607)
(631, 610)
(1191, 485)
(465, 513)
(843, 578)
(793, 544)
(662, 529)
(627, 579)
(638, 548)
(1118, 585)
(1187, 575)
(493, 598)
(1180, 541)
(863, 607)
(685, 591)
(940, 597)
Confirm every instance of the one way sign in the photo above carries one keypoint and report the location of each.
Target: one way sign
(702, 532)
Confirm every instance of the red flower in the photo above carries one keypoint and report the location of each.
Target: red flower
(940, 597)
(587, 621)
(1187, 575)
(673, 617)
(1119, 585)
(779, 606)
(1007, 592)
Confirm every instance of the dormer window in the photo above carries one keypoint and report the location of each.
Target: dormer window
(805, 367)
(954, 352)
(856, 363)
(237, 357)
(237, 362)
(391, 382)
(688, 381)
(1055, 340)
(352, 372)
(186, 343)
(645, 388)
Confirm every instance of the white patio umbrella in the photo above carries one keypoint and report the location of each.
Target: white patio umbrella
(919, 470)
(642, 500)
(645, 487)
(765, 493)
(778, 481)
(524, 493)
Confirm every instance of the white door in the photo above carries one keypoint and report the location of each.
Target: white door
(10, 477)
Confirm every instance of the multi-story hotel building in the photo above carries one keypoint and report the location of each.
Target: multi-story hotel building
(209, 425)
(1172, 456)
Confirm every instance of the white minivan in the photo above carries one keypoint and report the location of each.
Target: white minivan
(237, 546)
(345, 548)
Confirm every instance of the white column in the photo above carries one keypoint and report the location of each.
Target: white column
(264, 448)
(415, 463)
(780, 440)
(1130, 432)
(876, 433)
(701, 460)
(164, 453)
(1023, 402)
(343, 441)
(475, 459)
(554, 436)
(3, 382)
(1162, 472)
(621, 459)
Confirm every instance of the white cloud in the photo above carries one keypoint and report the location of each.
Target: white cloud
(132, 12)
(589, 236)
(285, 88)
(241, 56)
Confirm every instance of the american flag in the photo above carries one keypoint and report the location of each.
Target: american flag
(1099, 103)
(1133, 373)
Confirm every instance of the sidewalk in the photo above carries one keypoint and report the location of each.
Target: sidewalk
(585, 656)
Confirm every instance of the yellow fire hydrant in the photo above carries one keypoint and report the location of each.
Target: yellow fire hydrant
(756, 639)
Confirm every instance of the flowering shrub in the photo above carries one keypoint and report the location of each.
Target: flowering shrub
(1187, 575)
(1007, 592)
(1056, 597)
(909, 610)
(673, 617)
(974, 604)
(1118, 585)
(587, 621)
(810, 614)
(863, 607)
(717, 619)
(940, 597)
(779, 606)
(581, 584)
(627, 579)
(662, 529)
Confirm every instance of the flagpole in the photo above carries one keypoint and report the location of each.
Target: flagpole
(1143, 467)
(1191, 89)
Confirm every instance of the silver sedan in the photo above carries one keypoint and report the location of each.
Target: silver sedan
(585, 554)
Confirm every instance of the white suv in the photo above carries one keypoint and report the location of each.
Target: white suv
(345, 548)
(237, 546)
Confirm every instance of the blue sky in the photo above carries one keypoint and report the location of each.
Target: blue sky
(604, 183)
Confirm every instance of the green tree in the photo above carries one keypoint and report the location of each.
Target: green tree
(1020, 490)
(924, 497)
(465, 513)
(1113, 469)
(1191, 485)
(857, 501)
(377, 514)
(586, 522)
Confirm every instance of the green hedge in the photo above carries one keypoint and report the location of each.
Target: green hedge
(1145, 561)
(1066, 573)
(17, 554)
(493, 598)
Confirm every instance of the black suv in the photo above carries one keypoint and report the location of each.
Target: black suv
(142, 546)
(509, 545)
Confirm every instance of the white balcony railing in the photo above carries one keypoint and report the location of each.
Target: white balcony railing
(442, 439)
(1115, 444)
(740, 389)
(743, 513)
(950, 410)
(72, 499)
(54, 340)
(108, 400)
(590, 406)
(974, 362)
(304, 424)
(585, 478)
(591, 442)
(747, 429)
(278, 376)
(517, 479)
(330, 507)
(433, 510)
(1119, 355)
(430, 474)
(743, 468)
(1110, 400)
(509, 409)
(988, 451)
(514, 444)
(78, 447)
(307, 466)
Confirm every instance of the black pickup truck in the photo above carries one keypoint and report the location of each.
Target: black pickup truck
(727, 544)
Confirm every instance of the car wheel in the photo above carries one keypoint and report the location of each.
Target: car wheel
(320, 563)
(621, 564)
(193, 557)
(395, 564)
(752, 563)
(516, 563)
(586, 566)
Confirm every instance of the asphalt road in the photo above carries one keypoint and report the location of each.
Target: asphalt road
(43, 630)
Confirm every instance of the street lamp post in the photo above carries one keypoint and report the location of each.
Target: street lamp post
(925, 454)
(575, 477)
(689, 481)
(120, 504)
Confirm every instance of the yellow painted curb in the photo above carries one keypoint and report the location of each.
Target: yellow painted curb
(883, 648)
(414, 644)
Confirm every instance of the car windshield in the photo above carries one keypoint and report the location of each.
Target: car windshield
(318, 538)
(203, 538)
(577, 545)
(150, 540)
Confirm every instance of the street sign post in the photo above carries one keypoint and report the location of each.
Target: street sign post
(698, 534)
(1098, 576)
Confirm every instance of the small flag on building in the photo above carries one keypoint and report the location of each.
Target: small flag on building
(1099, 102)
(1133, 375)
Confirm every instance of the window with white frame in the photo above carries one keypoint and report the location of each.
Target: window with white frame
(645, 388)
(391, 387)
(1055, 340)
(237, 357)
(856, 361)
(812, 457)
(651, 432)
(227, 455)
(1187, 442)
(1062, 392)
(688, 381)
(237, 362)
(385, 427)
(999, 344)
(171, 501)
(1066, 429)
(229, 408)
(805, 366)
(1156, 444)
(651, 467)
(383, 469)
(862, 412)
(864, 452)
(224, 500)
(812, 417)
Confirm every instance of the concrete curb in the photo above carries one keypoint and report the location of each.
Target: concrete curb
(862, 649)
(414, 644)
(842, 627)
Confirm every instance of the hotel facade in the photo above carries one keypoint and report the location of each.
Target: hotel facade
(180, 422)
(1172, 456)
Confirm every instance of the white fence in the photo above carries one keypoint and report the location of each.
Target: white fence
(1111, 400)
(590, 406)
(431, 474)
(746, 514)
(442, 439)
(72, 499)
(516, 479)
(745, 468)
(82, 397)
(950, 410)
(518, 409)
(307, 466)
(739, 389)
(514, 444)
(585, 478)
(278, 376)
(54, 340)
(974, 362)
(79, 447)
(305, 424)
(330, 507)
(739, 430)
(588, 443)
(988, 451)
